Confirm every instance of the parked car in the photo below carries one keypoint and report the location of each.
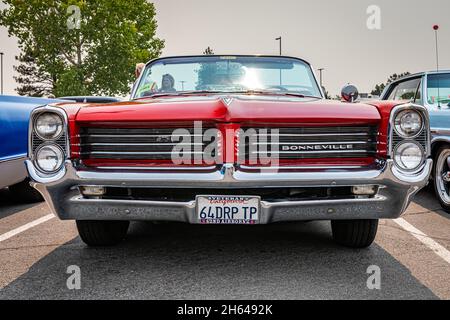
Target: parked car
(14, 122)
(229, 140)
(432, 90)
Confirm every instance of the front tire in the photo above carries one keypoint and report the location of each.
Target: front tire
(442, 187)
(354, 233)
(102, 233)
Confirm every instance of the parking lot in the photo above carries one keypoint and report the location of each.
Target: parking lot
(177, 261)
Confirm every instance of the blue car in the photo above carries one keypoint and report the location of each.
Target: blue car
(14, 121)
(432, 90)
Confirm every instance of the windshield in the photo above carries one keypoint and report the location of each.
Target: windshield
(227, 74)
(439, 89)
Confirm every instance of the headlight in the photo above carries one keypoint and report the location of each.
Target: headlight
(408, 156)
(408, 123)
(49, 158)
(49, 125)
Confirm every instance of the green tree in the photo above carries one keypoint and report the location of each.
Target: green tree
(82, 46)
(31, 79)
(208, 51)
(380, 87)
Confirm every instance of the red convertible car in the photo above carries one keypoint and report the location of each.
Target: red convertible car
(229, 140)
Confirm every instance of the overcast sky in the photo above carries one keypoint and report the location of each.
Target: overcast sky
(330, 34)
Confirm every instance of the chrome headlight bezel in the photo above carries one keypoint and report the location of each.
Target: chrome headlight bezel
(422, 156)
(53, 147)
(59, 131)
(422, 138)
(400, 116)
(36, 141)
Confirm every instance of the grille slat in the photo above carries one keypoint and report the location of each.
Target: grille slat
(311, 142)
(140, 143)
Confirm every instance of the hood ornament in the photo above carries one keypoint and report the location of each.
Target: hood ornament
(227, 101)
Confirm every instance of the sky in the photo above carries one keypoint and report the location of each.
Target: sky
(330, 34)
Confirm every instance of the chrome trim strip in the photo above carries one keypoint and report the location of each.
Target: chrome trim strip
(141, 144)
(311, 152)
(313, 134)
(313, 143)
(135, 153)
(136, 135)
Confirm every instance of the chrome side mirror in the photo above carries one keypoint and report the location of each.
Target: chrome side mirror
(349, 93)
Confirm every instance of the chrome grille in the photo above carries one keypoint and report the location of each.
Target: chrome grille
(311, 142)
(37, 142)
(138, 143)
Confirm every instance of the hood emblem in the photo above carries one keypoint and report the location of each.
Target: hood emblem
(227, 100)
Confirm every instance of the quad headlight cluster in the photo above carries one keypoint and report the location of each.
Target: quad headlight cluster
(48, 139)
(409, 141)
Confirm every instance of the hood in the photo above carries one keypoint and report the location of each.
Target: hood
(262, 109)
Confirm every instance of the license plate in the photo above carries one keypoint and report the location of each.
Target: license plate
(228, 209)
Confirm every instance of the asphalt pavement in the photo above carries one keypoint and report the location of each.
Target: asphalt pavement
(180, 261)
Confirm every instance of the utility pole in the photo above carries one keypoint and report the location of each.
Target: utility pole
(1, 55)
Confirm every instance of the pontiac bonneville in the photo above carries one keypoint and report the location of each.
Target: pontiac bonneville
(229, 140)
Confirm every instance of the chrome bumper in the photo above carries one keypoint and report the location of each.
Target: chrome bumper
(395, 192)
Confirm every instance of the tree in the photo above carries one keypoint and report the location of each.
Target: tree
(82, 47)
(31, 79)
(208, 51)
(380, 87)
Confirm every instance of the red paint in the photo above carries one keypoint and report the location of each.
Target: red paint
(242, 112)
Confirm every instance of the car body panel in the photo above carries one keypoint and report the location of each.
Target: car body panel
(439, 117)
(237, 109)
(370, 124)
(14, 121)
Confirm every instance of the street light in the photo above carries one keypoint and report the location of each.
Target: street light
(279, 39)
(436, 28)
(1, 63)
(320, 71)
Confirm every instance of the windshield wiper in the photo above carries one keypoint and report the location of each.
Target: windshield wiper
(277, 93)
(180, 93)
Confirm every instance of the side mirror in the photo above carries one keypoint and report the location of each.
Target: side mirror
(349, 93)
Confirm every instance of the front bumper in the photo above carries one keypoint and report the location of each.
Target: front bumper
(395, 192)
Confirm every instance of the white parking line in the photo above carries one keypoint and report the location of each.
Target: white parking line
(426, 240)
(25, 227)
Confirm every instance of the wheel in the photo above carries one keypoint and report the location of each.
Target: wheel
(23, 192)
(102, 233)
(354, 233)
(442, 177)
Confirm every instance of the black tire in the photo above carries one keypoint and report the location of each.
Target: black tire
(354, 233)
(102, 233)
(436, 173)
(24, 193)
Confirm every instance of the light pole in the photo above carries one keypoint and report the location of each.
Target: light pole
(436, 28)
(182, 85)
(1, 63)
(320, 72)
(279, 39)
